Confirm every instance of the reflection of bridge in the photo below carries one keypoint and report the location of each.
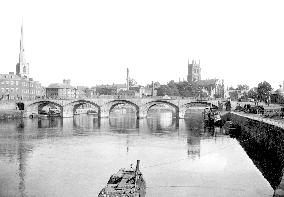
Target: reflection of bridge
(105, 105)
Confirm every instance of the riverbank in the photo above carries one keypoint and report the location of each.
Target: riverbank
(264, 137)
(10, 114)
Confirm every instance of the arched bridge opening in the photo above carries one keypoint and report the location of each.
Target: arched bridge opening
(195, 108)
(20, 106)
(86, 107)
(124, 107)
(163, 106)
(45, 108)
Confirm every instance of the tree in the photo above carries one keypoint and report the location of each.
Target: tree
(197, 91)
(263, 91)
(106, 91)
(132, 82)
(164, 90)
(174, 90)
(184, 88)
(156, 85)
(233, 95)
(252, 93)
(242, 87)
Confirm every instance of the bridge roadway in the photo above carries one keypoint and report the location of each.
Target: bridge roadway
(105, 105)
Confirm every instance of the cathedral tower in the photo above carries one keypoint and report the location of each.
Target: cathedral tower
(194, 71)
(22, 67)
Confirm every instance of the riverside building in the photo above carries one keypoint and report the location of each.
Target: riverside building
(19, 86)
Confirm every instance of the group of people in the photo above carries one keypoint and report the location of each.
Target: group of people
(212, 116)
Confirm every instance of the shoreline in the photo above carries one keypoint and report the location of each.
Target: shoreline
(11, 114)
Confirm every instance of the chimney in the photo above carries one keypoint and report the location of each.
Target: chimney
(137, 166)
(66, 81)
(152, 91)
(127, 79)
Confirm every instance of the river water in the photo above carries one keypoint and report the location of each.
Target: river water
(76, 156)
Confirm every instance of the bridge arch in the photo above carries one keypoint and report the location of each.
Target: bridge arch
(189, 105)
(35, 107)
(112, 104)
(150, 104)
(76, 104)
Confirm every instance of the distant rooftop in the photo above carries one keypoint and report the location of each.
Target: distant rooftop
(207, 82)
(60, 86)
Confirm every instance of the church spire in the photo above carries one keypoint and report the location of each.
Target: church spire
(22, 67)
(22, 38)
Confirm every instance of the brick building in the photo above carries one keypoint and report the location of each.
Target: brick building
(61, 91)
(15, 87)
(20, 86)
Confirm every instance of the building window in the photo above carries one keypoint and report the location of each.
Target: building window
(12, 82)
(17, 83)
(7, 82)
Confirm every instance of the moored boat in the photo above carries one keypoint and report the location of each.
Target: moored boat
(125, 183)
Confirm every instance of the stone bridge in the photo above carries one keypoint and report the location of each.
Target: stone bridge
(105, 105)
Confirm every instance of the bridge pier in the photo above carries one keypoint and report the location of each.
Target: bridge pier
(104, 114)
(181, 113)
(30, 111)
(67, 112)
(141, 115)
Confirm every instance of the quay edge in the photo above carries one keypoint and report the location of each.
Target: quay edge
(268, 137)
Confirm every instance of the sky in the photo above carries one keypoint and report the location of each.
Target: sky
(94, 42)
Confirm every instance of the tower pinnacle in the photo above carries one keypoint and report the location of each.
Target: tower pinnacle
(22, 67)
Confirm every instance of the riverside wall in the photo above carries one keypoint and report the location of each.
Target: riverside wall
(10, 114)
(263, 141)
(9, 110)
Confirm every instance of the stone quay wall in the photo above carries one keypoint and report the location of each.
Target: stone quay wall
(9, 110)
(10, 114)
(263, 140)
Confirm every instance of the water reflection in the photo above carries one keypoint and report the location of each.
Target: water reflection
(39, 154)
(16, 152)
(85, 121)
(123, 123)
(194, 127)
(162, 122)
(50, 122)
